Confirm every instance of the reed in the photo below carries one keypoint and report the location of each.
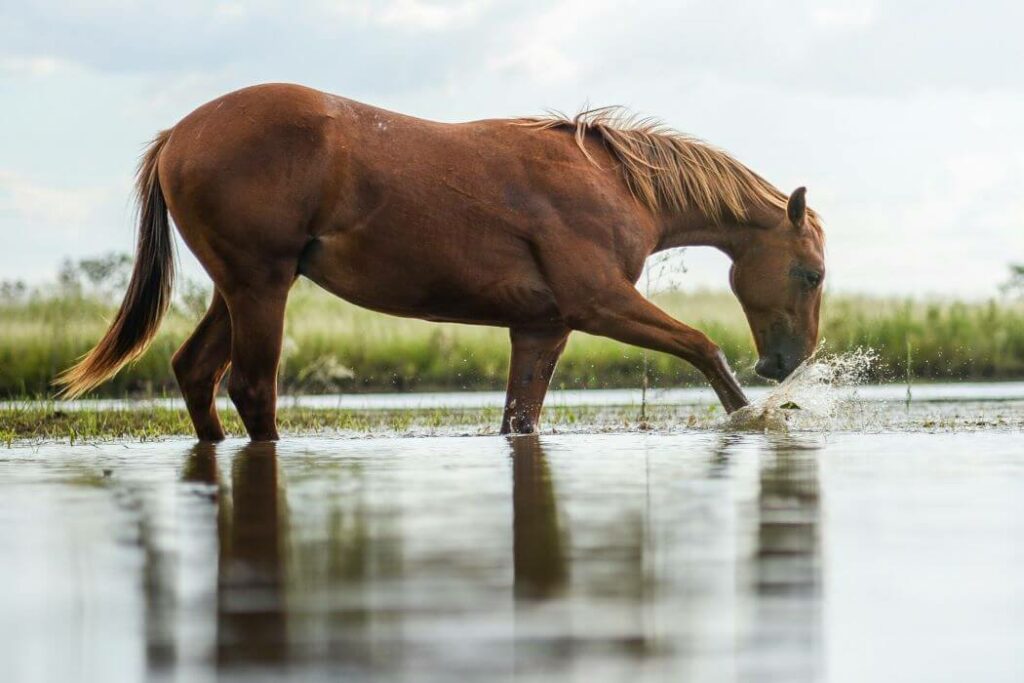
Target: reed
(332, 346)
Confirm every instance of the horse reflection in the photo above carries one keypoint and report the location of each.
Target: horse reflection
(275, 595)
(165, 608)
(787, 565)
(201, 465)
(251, 617)
(540, 567)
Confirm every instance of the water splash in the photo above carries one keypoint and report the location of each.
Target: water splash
(814, 397)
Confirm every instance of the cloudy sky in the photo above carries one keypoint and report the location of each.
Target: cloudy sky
(903, 118)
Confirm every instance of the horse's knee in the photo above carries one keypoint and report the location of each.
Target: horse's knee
(703, 353)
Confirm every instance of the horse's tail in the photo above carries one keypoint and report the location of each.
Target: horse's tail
(149, 291)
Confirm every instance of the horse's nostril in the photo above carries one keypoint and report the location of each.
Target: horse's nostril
(771, 367)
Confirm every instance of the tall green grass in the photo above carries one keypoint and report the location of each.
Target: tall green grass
(333, 346)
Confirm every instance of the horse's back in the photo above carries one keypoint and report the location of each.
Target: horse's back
(397, 213)
(326, 156)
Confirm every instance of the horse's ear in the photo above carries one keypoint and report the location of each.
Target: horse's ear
(796, 208)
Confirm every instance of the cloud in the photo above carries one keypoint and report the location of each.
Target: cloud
(901, 117)
(407, 15)
(34, 67)
(33, 204)
(844, 15)
(540, 63)
(832, 47)
(429, 16)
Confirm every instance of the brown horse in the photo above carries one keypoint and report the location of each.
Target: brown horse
(539, 225)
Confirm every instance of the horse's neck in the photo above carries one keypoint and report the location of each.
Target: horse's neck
(690, 228)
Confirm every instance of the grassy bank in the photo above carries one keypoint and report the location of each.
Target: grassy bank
(332, 346)
(47, 422)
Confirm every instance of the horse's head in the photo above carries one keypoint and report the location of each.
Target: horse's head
(777, 276)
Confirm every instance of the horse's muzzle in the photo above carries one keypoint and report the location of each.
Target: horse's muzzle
(775, 366)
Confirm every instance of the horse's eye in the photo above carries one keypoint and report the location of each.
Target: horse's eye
(809, 279)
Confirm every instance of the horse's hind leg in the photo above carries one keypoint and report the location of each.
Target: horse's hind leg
(534, 355)
(257, 328)
(199, 366)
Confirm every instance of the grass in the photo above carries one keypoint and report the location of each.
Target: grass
(34, 422)
(332, 346)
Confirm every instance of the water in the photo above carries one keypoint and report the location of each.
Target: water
(697, 396)
(681, 555)
(821, 394)
(829, 531)
(827, 393)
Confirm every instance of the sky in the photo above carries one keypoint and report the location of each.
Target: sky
(903, 118)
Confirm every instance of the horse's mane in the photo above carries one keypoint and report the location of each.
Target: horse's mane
(668, 170)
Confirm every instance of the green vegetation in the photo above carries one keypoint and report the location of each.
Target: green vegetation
(35, 422)
(332, 346)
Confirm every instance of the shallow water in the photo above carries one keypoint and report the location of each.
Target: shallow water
(826, 399)
(694, 396)
(661, 556)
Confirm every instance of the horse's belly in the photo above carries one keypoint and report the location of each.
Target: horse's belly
(415, 280)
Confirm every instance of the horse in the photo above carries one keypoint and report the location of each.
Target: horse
(541, 225)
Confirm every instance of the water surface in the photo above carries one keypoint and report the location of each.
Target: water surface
(658, 556)
(939, 392)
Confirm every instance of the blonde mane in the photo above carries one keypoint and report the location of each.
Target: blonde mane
(668, 170)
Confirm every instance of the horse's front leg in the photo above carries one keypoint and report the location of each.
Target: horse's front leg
(534, 355)
(621, 313)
